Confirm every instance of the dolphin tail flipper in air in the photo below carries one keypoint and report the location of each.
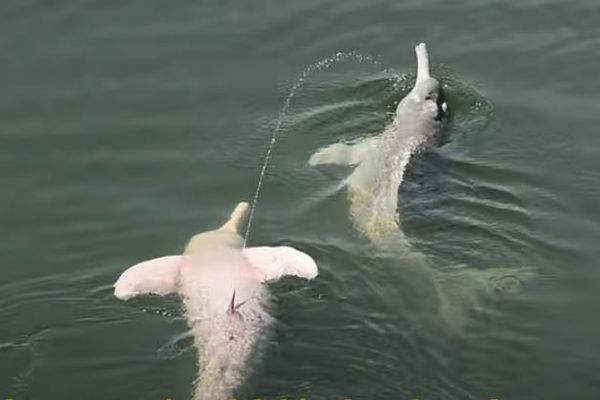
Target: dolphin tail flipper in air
(460, 291)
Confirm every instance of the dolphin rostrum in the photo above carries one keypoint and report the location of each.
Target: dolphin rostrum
(226, 305)
(379, 162)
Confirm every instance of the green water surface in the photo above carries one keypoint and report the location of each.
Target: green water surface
(127, 126)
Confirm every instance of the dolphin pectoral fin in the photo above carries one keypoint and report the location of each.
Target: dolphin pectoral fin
(275, 262)
(343, 153)
(336, 154)
(157, 276)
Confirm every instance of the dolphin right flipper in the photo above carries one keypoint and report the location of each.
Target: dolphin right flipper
(343, 153)
(158, 276)
(273, 263)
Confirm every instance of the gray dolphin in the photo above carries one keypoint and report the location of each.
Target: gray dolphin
(379, 162)
(226, 305)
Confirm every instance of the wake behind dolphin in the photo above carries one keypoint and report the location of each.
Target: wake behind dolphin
(379, 162)
(227, 307)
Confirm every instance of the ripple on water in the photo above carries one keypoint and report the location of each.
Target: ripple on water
(474, 211)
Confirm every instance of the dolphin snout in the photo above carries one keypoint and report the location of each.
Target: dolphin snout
(423, 72)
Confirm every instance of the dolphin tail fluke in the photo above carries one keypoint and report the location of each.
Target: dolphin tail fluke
(343, 153)
(236, 219)
(423, 72)
(462, 290)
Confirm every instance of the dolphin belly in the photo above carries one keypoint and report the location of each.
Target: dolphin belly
(226, 304)
(226, 344)
(373, 189)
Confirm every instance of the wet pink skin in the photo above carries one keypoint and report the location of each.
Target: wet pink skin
(158, 276)
(214, 270)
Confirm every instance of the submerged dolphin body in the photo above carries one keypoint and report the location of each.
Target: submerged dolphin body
(379, 162)
(220, 283)
(459, 291)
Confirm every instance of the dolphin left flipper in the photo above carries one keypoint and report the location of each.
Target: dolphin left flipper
(158, 276)
(276, 262)
(343, 153)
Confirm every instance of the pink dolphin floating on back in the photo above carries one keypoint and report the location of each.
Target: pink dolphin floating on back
(220, 283)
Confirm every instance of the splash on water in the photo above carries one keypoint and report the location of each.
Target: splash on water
(308, 71)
